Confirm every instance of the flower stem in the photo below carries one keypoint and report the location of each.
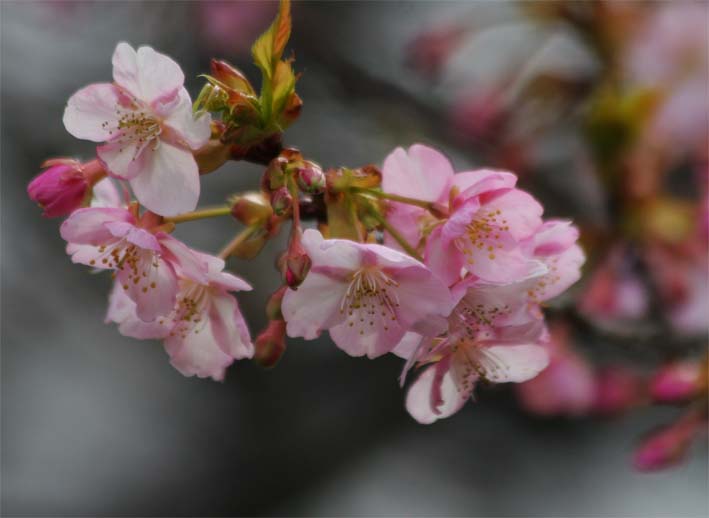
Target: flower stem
(236, 242)
(212, 212)
(395, 197)
(398, 237)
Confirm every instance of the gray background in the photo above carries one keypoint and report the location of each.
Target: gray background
(97, 424)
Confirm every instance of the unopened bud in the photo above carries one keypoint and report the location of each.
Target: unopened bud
(676, 382)
(270, 343)
(667, 446)
(251, 208)
(231, 77)
(63, 186)
(281, 201)
(273, 306)
(274, 176)
(310, 178)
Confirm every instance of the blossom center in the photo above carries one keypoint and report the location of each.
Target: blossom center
(482, 235)
(192, 304)
(136, 127)
(370, 300)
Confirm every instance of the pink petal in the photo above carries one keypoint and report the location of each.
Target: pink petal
(121, 310)
(168, 183)
(153, 293)
(419, 400)
(338, 254)
(314, 306)
(192, 131)
(422, 297)
(105, 194)
(229, 327)
(422, 173)
(123, 159)
(363, 338)
(148, 75)
(564, 270)
(514, 363)
(197, 354)
(187, 262)
(554, 236)
(91, 112)
(88, 226)
(519, 210)
(444, 260)
(480, 181)
(138, 236)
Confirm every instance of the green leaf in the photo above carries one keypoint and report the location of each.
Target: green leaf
(269, 47)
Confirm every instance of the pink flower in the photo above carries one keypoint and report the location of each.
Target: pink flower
(146, 123)
(143, 256)
(567, 385)
(204, 332)
(63, 186)
(554, 245)
(366, 295)
(493, 336)
(488, 219)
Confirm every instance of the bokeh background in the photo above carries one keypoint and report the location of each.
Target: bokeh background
(95, 424)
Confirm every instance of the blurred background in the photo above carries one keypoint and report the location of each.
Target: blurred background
(599, 107)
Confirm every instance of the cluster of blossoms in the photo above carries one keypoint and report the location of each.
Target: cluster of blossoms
(637, 89)
(447, 270)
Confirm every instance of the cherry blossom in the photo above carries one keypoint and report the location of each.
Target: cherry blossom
(204, 332)
(366, 295)
(493, 335)
(143, 256)
(488, 217)
(145, 122)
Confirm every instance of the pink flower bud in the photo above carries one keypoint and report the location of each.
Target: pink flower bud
(676, 382)
(311, 178)
(667, 446)
(270, 344)
(60, 189)
(281, 201)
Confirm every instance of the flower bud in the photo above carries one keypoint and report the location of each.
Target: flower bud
(676, 382)
(273, 306)
(270, 343)
(281, 201)
(310, 178)
(63, 186)
(231, 77)
(251, 208)
(668, 445)
(274, 176)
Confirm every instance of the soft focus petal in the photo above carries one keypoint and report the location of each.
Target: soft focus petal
(444, 260)
(168, 184)
(105, 194)
(187, 262)
(474, 183)
(372, 341)
(90, 113)
(554, 236)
